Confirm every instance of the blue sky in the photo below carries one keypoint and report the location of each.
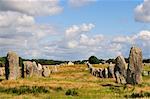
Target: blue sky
(110, 17)
(74, 29)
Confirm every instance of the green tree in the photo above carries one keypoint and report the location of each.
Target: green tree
(94, 60)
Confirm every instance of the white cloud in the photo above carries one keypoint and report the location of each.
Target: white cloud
(141, 39)
(79, 3)
(142, 12)
(72, 44)
(91, 41)
(20, 33)
(75, 30)
(14, 18)
(31, 7)
(144, 35)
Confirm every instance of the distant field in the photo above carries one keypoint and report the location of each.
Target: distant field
(75, 78)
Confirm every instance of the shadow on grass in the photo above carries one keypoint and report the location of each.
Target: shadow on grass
(110, 85)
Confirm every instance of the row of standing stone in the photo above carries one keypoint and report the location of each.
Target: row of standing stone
(100, 72)
(123, 73)
(28, 69)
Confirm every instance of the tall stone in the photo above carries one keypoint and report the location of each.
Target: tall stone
(12, 70)
(120, 70)
(134, 71)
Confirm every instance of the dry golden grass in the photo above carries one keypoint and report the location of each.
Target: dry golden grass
(76, 76)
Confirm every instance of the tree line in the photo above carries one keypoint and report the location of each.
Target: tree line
(91, 59)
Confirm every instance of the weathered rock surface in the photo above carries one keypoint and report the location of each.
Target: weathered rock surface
(120, 70)
(46, 71)
(110, 70)
(134, 71)
(36, 71)
(105, 73)
(2, 71)
(12, 70)
(28, 68)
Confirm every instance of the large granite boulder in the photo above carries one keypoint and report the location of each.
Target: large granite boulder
(46, 71)
(134, 71)
(120, 70)
(12, 70)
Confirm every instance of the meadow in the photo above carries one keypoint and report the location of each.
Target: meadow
(72, 82)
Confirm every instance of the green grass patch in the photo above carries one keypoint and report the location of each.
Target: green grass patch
(72, 92)
(139, 95)
(24, 90)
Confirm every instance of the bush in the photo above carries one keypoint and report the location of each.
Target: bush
(94, 60)
(72, 92)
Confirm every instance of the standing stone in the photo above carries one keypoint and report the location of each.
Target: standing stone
(46, 71)
(105, 73)
(36, 71)
(40, 70)
(89, 65)
(100, 73)
(120, 70)
(134, 71)
(28, 68)
(110, 70)
(12, 66)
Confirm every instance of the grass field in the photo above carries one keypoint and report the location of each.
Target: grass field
(77, 81)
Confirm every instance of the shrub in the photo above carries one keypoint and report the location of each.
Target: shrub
(72, 92)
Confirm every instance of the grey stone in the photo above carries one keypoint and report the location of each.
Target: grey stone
(120, 70)
(134, 71)
(28, 68)
(89, 65)
(46, 71)
(111, 71)
(12, 70)
(36, 71)
(105, 73)
(100, 73)
(120, 78)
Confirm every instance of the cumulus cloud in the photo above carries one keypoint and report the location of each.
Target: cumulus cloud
(32, 7)
(75, 30)
(90, 41)
(79, 3)
(14, 18)
(141, 39)
(142, 12)
(20, 32)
